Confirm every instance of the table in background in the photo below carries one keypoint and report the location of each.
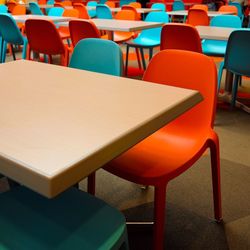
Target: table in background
(23, 18)
(210, 13)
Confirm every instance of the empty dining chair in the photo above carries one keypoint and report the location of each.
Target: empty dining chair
(147, 39)
(229, 8)
(19, 9)
(58, 4)
(56, 11)
(98, 55)
(159, 6)
(178, 5)
(103, 12)
(3, 8)
(180, 36)
(35, 9)
(216, 47)
(197, 17)
(174, 148)
(92, 8)
(44, 38)
(132, 8)
(11, 4)
(81, 29)
(72, 220)
(239, 9)
(83, 12)
(237, 59)
(200, 7)
(136, 5)
(110, 4)
(11, 34)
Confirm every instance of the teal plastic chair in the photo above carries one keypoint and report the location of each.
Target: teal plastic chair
(72, 220)
(56, 11)
(11, 34)
(97, 55)
(92, 12)
(147, 39)
(237, 59)
(159, 6)
(35, 9)
(49, 2)
(239, 8)
(3, 8)
(215, 47)
(103, 12)
(178, 5)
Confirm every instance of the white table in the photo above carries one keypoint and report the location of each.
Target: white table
(58, 125)
(185, 13)
(23, 18)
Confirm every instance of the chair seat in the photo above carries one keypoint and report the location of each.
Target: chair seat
(157, 154)
(72, 220)
(122, 36)
(144, 42)
(214, 47)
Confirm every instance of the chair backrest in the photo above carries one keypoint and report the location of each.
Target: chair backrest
(19, 9)
(98, 55)
(197, 17)
(135, 4)
(35, 9)
(57, 4)
(200, 7)
(229, 8)
(110, 4)
(180, 36)
(81, 29)
(43, 37)
(125, 15)
(159, 6)
(92, 12)
(3, 8)
(131, 8)
(239, 8)
(9, 30)
(191, 70)
(71, 13)
(67, 3)
(56, 11)
(83, 12)
(11, 4)
(237, 57)
(230, 21)
(178, 5)
(103, 11)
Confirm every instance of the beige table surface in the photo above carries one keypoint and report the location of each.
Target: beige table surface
(23, 18)
(58, 125)
(210, 13)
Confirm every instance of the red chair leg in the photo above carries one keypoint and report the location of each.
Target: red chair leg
(159, 217)
(91, 184)
(215, 165)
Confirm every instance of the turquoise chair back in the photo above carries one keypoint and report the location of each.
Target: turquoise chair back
(239, 8)
(178, 5)
(35, 9)
(125, 2)
(3, 8)
(102, 1)
(159, 6)
(56, 11)
(49, 2)
(94, 54)
(92, 13)
(229, 21)
(103, 12)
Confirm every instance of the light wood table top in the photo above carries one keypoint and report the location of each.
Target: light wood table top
(58, 124)
(23, 18)
(210, 13)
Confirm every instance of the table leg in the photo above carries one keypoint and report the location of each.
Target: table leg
(228, 82)
(111, 35)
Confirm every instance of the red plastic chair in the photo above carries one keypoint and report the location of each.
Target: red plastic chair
(197, 17)
(80, 29)
(177, 146)
(83, 12)
(44, 38)
(180, 36)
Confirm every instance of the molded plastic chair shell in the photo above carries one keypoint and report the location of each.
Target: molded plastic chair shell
(56, 11)
(200, 7)
(135, 4)
(180, 36)
(216, 47)
(239, 9)
(19, 10)
(71, 220)
(229, 8)
(81, 29)
(132, 8)
(83, 12)
(44, 38)
(159, 6)
(178, 5)
(177, 146)
(103, 12)
(98, 55)
(197, 17)
(92, 12)
(3, 8)
(35, 9)
(110, 4)
(237, 59)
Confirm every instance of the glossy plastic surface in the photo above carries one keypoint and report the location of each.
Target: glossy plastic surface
(103, 12)
(197, 17)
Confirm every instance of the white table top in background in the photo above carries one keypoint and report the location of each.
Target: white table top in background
(209, 13)
(58, 125)
(23, 18)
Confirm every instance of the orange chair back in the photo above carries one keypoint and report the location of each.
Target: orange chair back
(135, 4)
(229, 8)
(131, 8)
(125, 14)
(11, 5)
(71, 13)
(83, 12)
(57, 4)
(180, 36)
(110, 4)
(67, 3)
(19, 10)
(162, 69)
(80, 29)
(200, 7)
(197, 17)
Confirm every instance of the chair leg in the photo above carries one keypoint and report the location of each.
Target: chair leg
(159, 217)
(13, 52)
(150, 53)
(126, 63)
(143, 59)
(220, 74)
(4, 51)
(138, 57)
(234, 90)
(91, 183)
(215, 167)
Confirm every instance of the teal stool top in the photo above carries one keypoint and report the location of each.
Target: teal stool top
(73, 220)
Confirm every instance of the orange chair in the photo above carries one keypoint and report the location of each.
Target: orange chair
(180, 36)
(11, 4)
(57, 4)
(177, 146)
(229, 8)
(80, 29)
(83, 12)
(131, 8)
(19, 9)
(200, 7)
(110, 4)
(44, 38)
(122, 36)
(197, 17)
(136, 5)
